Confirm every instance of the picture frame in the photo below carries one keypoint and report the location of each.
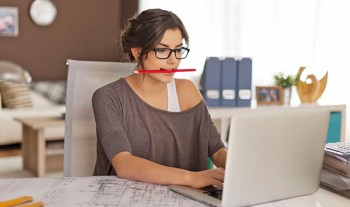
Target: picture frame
(269, 95)
(8, 21)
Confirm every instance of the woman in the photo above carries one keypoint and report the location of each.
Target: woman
(151, 127)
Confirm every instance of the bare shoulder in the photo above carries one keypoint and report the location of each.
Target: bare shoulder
(188, 94)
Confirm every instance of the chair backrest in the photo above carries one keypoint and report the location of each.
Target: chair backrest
(84, 77)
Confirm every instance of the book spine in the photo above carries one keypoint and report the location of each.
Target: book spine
(336, 165)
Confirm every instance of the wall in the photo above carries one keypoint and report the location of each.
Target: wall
(83, 29)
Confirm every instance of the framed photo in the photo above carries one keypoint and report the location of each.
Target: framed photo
(269, 95)
(8, 21)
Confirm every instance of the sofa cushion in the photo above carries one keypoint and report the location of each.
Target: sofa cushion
(55, 91)
(39, 100)
(15, 95)
(11, 130)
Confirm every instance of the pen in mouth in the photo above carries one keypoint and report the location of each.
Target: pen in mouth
(165, 70)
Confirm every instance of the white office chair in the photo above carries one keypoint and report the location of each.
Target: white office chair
(84, 77)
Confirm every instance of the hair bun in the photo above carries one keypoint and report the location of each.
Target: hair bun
(132, 20)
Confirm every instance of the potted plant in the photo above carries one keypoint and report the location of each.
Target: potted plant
(283, 80)
(286, 82)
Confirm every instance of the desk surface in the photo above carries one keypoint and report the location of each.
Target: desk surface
(112, 191)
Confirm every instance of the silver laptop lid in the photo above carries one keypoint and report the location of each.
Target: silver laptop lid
(274, 155)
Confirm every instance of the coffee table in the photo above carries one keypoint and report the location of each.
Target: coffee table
(34, 154)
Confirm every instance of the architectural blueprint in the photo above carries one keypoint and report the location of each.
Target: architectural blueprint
(92, 191)
(106, 191)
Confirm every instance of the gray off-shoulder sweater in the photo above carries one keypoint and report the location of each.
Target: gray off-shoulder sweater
(124, 122)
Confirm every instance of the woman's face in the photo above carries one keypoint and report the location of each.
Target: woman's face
(172, 39)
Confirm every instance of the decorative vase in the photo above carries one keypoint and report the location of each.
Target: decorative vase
(287, 94)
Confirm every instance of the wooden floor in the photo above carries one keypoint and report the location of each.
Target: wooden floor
(11, 162)
(10, 150)
(15, 149)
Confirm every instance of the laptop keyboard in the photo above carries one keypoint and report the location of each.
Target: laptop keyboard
(216, 193)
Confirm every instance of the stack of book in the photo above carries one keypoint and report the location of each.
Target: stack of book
(335, 174)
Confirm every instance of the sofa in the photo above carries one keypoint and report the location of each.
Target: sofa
(47, 98)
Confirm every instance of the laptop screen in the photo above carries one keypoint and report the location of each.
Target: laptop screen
(274, 155)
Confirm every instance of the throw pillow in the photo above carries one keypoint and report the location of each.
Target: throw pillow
(55, 91)
(15, 95)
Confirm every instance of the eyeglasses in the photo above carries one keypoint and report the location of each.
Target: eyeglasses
(164, 53)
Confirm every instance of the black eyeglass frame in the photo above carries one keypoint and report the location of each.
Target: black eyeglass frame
(155, 50)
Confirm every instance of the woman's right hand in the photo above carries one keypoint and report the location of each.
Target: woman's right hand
(206, 178)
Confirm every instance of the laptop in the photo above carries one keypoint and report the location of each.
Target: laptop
(271, 156)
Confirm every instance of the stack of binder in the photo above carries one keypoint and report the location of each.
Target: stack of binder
(227, 82)
(210, 81)
(335, 175)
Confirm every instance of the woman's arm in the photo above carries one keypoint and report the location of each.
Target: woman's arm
(219, 158)
(135, 168)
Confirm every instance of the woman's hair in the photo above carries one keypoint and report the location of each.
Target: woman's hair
(146, 30)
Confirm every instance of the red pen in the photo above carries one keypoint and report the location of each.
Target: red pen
(164, 71)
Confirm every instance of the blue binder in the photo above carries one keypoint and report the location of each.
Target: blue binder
(244, 82)
(228, 82)
(210, 81)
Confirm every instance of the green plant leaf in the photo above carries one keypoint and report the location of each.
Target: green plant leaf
(285, 81)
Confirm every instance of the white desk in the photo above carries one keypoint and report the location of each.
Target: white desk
(223, 114)
(112, 191)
